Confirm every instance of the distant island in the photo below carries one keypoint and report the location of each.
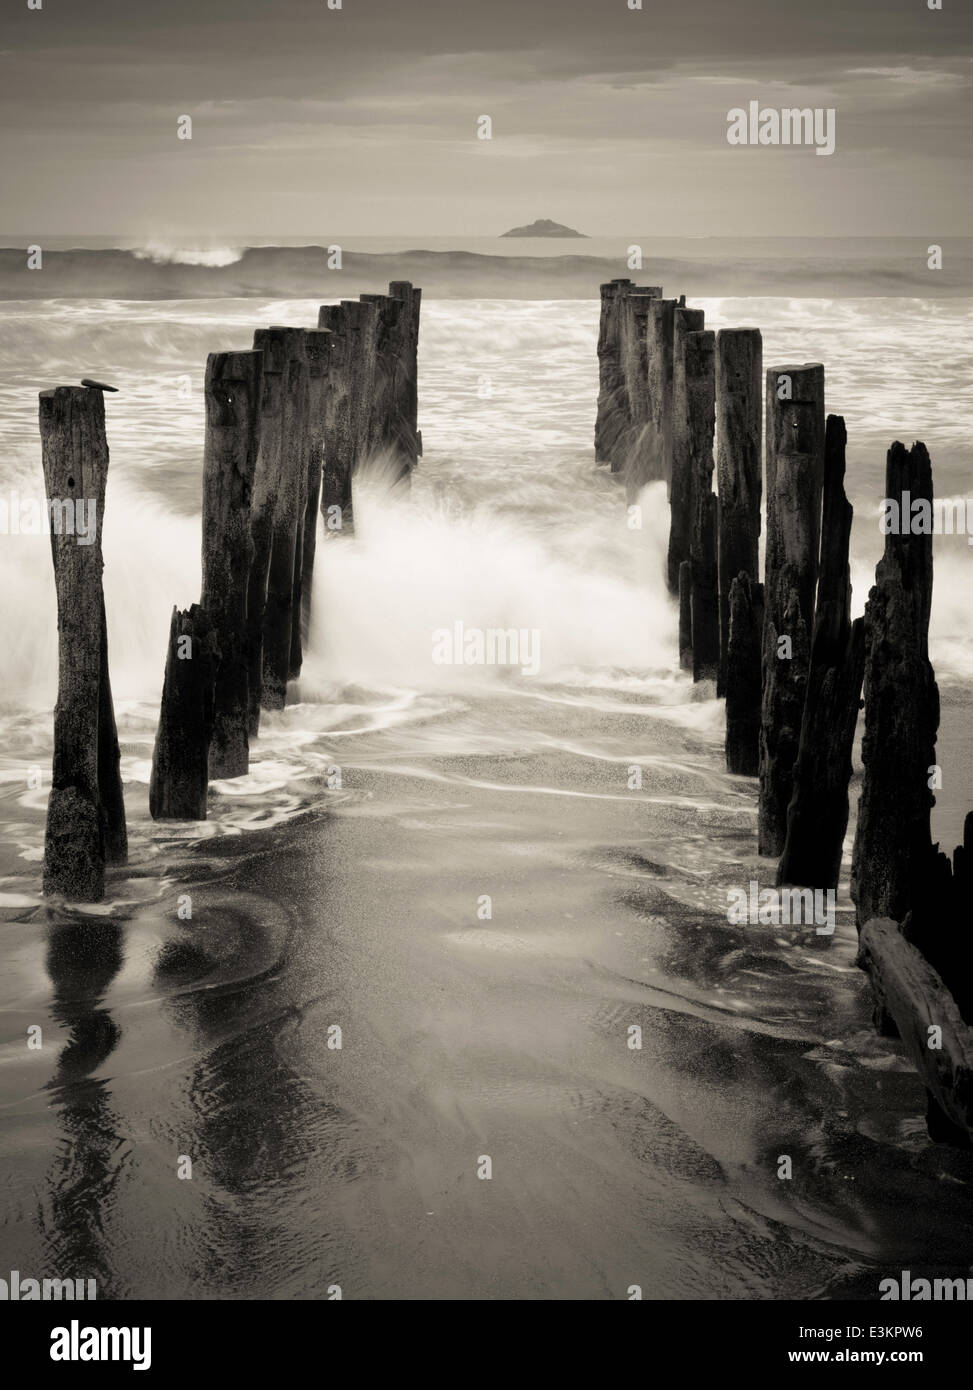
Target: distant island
(544, 227)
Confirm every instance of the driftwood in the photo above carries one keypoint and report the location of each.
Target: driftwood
(795, 478)
(85, 813)
(180, 760)
(817, 817)
(738, 473)
(233, 385)
(892, 858)
(910, 993)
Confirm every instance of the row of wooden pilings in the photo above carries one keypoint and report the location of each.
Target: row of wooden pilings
(288, 424)
(787, 656)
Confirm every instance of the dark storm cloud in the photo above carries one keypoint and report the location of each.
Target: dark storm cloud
(364, 117)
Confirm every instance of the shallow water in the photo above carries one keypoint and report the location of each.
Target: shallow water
(344, 884)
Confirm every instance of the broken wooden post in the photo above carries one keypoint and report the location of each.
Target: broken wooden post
(892, 853)
(746, 621)
(682, 508)
(180, 760)
(738, 472)
(795, 478)
(817, 817)
(233, 396)
(266, 481)
(85, 810)
(288, 508)
(318, 346)
(698, 367)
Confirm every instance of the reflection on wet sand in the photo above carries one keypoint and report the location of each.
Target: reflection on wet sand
(75, 1219)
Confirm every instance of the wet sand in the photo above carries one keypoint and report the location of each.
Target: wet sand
(463, 1037)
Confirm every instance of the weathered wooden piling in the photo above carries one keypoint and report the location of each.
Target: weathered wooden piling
(288, 509)
(649, 448)
(686, 616)
(355, 326)
(698, 370)
(738, 471)
(891, 861)
(623, 372)
(612, 414)
(318, 345)
(743, 683)
(404, 425)
(180, 760)
(817, 817)
(85, 811)
(233, 398)
(795, 478)
(272, 343)
(682, 501)
(109, 762)
(706, 611)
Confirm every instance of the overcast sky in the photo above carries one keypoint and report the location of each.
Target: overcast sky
(318, 122)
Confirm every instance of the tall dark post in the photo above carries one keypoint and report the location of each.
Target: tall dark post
(649, 377)
(180, 760)
(738, 473)
(686, 616)
(698, 363)
(318, 345)
(272, 342)
(353, 361)
(743, 676)
(892, 853)
(289, 506)
(233, 392)
(682, 501)
(817, 817)
(85, 810)
(623, 411)
(612, 417)
(795, 478)
(404, 424)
